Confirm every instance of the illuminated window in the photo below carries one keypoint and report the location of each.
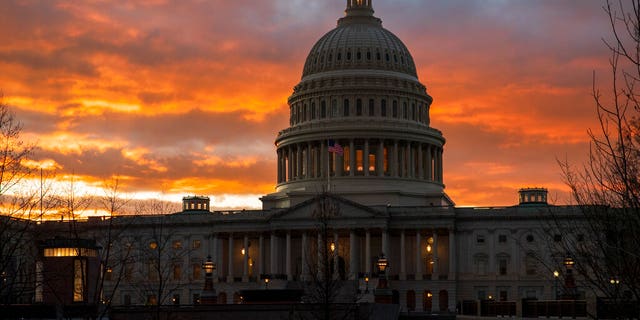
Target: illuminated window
(347, 161)
(79, 274)
(196, 244)
(177, 244)
(385, 160)
(70, 252)
(153, 245)
(359, 160)
(152, 300)
(372, 162)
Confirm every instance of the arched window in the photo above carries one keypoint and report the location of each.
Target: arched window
(427, 301)
(411, 300)
(237, 298)
(222, 298)
(443, 298)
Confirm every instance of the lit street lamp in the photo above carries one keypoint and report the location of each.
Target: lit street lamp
(209, 293)
(556, 275)
(382, 293)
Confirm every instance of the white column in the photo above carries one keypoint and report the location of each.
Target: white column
(352, 158)
(385, 242)
(420, 162)
(367, 256)
(418, 256)
(304, 253)
(245, 260)
(320, 248)
(260, 256)
(288, 257)
(290, 164)
(353, 256)
(452, 254)
(336, 257)
(365, 157)
(298, 161)
(214, 257)
(272, 255)
(309, 172)
(435, 274)
(230, 254)
(380, 159)
(403, 266)
(429, 168)
(394, 157)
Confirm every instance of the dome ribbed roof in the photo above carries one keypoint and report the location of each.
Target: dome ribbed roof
(359, 42)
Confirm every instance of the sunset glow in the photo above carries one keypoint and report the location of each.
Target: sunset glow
(180, 98)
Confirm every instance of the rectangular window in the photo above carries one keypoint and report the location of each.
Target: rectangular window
(557, 238)
(372, 162)
(359, 107)
(371, 108)
(503, 295)
(197, 271)
(177, 244)
(334, 108)
(313, 111)
(79, 274)
(152, 300)
(385, 160)
(405, 113)
(383, 108)
(126, 300)
(196, 244)
(480, 239)
(395, 109)
(502, 265)
(359, 160)
(345, 106)
(346, 160)
(177, 272)
(323, 109)
(502, 238)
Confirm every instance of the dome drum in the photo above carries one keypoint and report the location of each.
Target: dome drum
(360, 89)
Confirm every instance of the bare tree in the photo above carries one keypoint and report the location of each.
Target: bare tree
(19, 211)
(326, 288)
(604, 238)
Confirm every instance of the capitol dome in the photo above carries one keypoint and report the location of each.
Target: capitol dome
(359, 123)
(359, 41)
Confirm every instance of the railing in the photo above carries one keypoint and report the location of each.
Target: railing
(554, 308)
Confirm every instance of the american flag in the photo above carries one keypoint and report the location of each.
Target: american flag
(335, 147)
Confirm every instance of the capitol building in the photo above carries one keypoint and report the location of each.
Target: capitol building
(359, 172)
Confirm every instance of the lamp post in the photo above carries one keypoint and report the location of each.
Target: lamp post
(209, 293)
(569, 281)
(266, 282)
(366, 283)
(382, 292)
(556, 275)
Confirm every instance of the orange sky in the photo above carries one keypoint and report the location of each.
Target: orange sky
(186, 97)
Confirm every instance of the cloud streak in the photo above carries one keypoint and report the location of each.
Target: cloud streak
(188, 96)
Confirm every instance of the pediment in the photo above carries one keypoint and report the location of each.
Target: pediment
(330, 205)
